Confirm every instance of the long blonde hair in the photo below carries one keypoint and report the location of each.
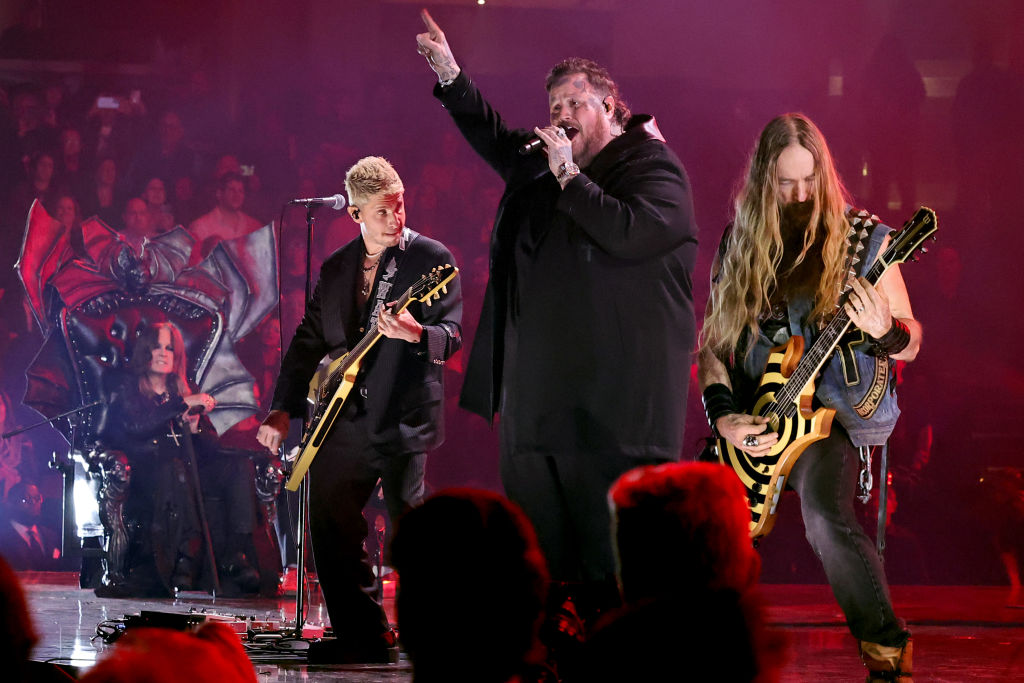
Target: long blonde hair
(746, 276)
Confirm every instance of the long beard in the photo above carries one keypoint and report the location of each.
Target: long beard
(794, 222)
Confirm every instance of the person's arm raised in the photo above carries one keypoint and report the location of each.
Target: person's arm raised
(434, 47)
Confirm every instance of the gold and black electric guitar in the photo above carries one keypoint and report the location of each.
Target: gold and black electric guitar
(328, 395)
(785, 392)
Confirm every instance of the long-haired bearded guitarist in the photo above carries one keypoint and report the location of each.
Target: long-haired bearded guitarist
(780, 271)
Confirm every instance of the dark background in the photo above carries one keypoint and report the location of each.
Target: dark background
(919, 99)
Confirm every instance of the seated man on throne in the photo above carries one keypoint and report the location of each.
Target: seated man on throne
(106, 310)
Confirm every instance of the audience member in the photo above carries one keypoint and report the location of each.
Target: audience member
(66, 212)
(438, 603)
(160, 214)
(687, 571)
(38, 185)
(213, 654)
(112, 129)
(24, 540)
(226, 221)
(104, 197)
(17, 634)
(168, 157)
(138, 225)
(34, 135)
(71, 165)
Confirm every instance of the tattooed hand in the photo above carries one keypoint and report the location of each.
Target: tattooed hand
(558, 148)
(434, 46)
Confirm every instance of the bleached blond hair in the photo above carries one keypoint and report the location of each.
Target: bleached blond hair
(370, 176)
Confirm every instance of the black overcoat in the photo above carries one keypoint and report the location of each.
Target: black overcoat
(592, 284)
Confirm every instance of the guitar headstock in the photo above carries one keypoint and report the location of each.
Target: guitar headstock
(431, 286)
(908, 240)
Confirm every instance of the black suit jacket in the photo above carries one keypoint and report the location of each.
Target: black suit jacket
(399, 384)
(22, 556)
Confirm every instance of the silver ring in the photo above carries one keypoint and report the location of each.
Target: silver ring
(561, 132)
(860, 309)
(750, 441)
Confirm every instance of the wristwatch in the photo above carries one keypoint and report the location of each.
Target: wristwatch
(567, 170)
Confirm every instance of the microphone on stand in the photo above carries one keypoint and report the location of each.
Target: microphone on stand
(336, 201)
(534, 144)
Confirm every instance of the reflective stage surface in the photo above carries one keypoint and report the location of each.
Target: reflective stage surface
(960, 632)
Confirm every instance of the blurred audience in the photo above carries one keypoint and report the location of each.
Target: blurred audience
(688, 572)
(213, 654)
(103, 199)
(160, 212)
(462, 554)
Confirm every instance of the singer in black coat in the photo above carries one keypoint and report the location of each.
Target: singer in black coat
(391, 418)
(585, 339)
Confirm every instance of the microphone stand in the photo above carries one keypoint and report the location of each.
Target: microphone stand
(190, 453)
(50, 420)
(300, 555)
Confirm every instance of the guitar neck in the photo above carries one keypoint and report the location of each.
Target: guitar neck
(815, 357)
(372, 335)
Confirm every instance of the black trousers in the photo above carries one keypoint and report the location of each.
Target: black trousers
(230, 477)
(342, 477)
(566, 499)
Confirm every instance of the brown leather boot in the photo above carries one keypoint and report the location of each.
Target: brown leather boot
(887, 663)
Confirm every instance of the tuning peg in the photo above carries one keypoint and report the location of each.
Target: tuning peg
(915, 258)
(444, 288)
(924, 250)
(935, 238)
(437, 296)
(429, 301)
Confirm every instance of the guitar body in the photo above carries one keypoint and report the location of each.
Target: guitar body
(331, 386)
(765, 478)
(329, 397)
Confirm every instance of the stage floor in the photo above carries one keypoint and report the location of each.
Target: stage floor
(961, 633)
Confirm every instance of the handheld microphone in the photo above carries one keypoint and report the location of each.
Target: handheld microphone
(197, 409)
(535, 143)
(336, 202)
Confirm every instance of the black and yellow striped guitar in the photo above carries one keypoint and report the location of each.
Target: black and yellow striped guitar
(328, 395)
(786, 390)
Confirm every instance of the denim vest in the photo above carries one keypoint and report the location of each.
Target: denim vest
(864, 396)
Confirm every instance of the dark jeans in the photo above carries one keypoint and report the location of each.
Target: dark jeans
(825, 477)
(342, 476)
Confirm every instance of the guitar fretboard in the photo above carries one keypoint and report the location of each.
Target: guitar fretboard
(813, 360)
(372, 335)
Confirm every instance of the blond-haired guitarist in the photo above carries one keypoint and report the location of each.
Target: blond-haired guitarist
(793, 249)
(393, 414)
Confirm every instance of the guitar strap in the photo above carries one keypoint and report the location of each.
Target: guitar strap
(862, 225)
(393, 259)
